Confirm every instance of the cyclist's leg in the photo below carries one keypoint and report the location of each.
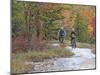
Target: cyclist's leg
(74, 43)
(71, 42)
(62, 39)
(59, 39)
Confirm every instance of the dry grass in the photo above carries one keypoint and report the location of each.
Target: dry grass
(20, 67)
(19, 59)
(86, 45)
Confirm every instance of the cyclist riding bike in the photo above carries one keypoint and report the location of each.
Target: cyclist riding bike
(73, 38)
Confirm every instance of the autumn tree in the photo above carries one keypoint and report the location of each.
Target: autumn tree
(81, 28)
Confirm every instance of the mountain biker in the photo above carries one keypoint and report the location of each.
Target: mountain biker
(73, 38)
(62, 34)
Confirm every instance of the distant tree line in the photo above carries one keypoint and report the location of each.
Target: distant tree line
(37, 23)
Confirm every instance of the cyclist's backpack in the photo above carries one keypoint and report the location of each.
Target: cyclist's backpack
(62, 33)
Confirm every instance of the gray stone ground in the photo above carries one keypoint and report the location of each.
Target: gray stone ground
(83, 59)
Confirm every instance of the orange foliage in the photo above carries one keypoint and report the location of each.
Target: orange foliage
(66, 20)
(89, 14)
(90, 29)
